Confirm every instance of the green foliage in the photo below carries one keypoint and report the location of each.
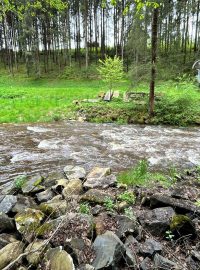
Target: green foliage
(128, 197)
(109, 204)
(20, 181)
(140, 175)
(129, 212)
(135, 176)
(197, 203)
(84, 208)
(75, 73)
(169, 235)
(111, 70)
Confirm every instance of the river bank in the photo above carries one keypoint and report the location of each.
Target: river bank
(90, 221)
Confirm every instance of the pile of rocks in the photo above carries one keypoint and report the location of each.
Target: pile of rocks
(80, 221)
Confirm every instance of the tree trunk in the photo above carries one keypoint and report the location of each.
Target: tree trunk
(153, 60)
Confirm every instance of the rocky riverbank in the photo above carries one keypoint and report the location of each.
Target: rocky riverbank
(86, 220)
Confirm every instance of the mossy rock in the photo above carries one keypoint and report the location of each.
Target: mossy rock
(182, 225)
(28, 220)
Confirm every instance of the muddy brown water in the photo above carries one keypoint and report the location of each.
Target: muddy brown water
(48, 147)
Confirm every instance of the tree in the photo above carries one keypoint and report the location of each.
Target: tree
(111, 71)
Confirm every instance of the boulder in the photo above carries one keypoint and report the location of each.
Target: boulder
(6, 239)
(45, 195)
(181, 206)
(28, 220)
(109, 251)
(6, 223)
(35, 257)
(74, 187)
(55, 208)
(103, 182)
(150, 247)
(104, 222)
(60, 185)
(147, 264)
(96, 196)
(6, 203)
(186, 192)
(98, 173)
(23, 202)
(163, 263)
(132, 248)
(108, 96)
(33, 185)
(74, 172)
(125, 225)
(10, 252)
(157, 221)
(196, 254)
(51, 179)
(181, 225)
(59, 259)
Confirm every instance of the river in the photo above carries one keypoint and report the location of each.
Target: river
(48, 147)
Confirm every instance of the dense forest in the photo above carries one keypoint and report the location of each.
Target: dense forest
(47, 35)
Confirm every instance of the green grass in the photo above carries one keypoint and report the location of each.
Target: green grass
(27, 100)
(140, 175)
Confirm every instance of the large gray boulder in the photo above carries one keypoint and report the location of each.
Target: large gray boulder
(6, 203)
(33, 185)
(23, 202)
(100, 177)
(181, 206)
(109, 250)
(6, 239)
(74, 172)
(157, 221)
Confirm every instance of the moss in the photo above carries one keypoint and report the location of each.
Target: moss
(38, 182)
(178, 221)
(46, 209)
(44, 229)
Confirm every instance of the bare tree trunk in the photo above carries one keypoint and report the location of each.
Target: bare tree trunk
(153, 61)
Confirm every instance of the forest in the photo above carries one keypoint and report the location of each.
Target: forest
(51, 35)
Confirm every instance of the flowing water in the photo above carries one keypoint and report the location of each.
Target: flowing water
(42, 148)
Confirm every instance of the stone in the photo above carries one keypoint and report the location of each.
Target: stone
(163, 263)
(181, 206)
(86, 267)
(103, 222)
(55, 208)
(109, 250)
(195, 254)
(116, 94)
(6, 223)
(35, 257)
(60, 185)
(59, 259)
(45, 195)
(98, 173)
(181, 225)
(9, 253)
(150, 247)
(96, 196)
(74, 172)
(186, 193)
(6, 203)
(6, 239)
(33, 185)
(104, 182)
(101, 95)
(147, 264)
(23, 202)
(157, 221)
(125, 225)
(108, 96)
(132, 248)
(74, 187)
(28, 220)
(51, 179)
(81, 248)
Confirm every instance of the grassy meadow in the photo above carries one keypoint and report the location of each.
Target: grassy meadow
(24, 100)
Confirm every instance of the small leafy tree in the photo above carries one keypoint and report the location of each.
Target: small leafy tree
(111, 71)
